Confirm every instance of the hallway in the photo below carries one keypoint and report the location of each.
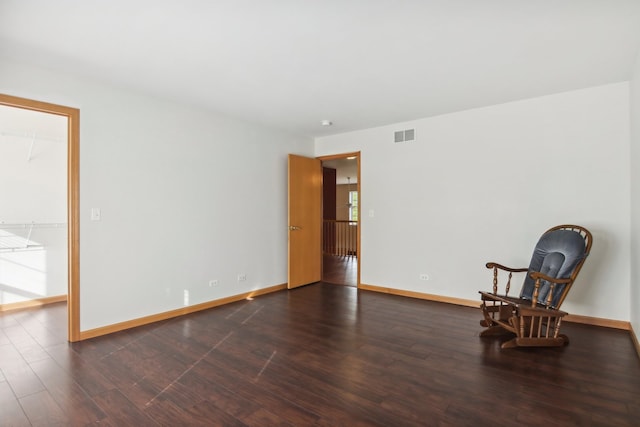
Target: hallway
(340, 270)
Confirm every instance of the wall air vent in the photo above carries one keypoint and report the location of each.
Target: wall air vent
(404, 135)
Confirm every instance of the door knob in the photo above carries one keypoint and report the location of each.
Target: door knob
(293, 228)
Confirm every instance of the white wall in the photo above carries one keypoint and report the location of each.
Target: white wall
(635, 198)
(482, 185)
(186, 196)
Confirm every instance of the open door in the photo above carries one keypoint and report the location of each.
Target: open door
(305, 221)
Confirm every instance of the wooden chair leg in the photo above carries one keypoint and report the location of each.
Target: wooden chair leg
(512, 343)
(486, 324)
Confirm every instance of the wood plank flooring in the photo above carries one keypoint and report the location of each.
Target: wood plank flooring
(340, 270)
(320, 355)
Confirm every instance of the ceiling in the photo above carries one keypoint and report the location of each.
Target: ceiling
(290, 64)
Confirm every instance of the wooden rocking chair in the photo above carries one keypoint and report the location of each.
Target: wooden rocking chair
(535, 317)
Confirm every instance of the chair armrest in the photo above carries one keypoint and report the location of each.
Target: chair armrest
(509, 269)
(535, 275)
(495, 267)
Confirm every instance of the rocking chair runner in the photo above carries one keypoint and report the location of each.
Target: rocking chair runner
(535, 316)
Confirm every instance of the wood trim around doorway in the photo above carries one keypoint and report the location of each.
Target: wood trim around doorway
(32, 303)
(73, 203)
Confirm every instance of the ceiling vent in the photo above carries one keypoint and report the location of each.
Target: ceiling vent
(404, 135)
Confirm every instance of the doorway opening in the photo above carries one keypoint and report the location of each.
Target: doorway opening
(70, 208)
(341, 219)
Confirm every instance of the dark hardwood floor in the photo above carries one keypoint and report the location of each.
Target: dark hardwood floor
(320, 355)
(340, 270)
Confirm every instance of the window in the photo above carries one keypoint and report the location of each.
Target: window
(353, 206)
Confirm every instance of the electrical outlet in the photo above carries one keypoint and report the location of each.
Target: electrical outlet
(213, 283)
(424, 276)
(242, 277)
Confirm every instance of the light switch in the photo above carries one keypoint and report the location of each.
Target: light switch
(95, 214)
(371, 213)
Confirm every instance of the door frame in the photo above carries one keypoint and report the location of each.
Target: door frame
(73, 200)
(355, 154)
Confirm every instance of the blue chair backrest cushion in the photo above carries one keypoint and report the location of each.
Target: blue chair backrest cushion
(556, 255)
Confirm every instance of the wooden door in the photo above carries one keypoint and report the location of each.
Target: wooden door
(305, 221)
